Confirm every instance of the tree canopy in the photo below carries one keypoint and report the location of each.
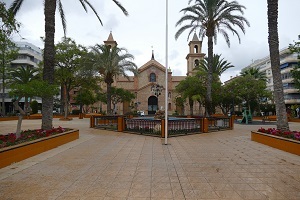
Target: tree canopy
(210, 17)
(110, 63)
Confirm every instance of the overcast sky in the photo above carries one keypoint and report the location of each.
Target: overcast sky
(144, 28)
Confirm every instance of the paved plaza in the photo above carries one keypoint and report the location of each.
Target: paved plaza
(106, 165)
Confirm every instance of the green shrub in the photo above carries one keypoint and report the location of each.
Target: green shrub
(34, 107)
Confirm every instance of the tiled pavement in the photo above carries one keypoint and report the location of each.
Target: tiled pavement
(111, 165)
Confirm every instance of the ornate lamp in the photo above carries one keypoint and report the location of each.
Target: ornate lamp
(156, 89)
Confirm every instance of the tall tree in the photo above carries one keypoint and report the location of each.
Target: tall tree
(68, 60)
(255, 73)
(211, 17)
(49, 50)
(247, 89)
(281, 114)
(8, 50)
(111, 62)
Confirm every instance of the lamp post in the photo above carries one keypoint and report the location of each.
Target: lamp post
(166, 83)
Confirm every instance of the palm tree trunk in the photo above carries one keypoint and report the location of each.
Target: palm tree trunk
(208, 103)
(62, 99)
(108, 96)
(3, 94)
(282, 121)
(66, 110)
(48, 70)
(3, 85)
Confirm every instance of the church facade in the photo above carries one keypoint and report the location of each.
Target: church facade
(149, 85)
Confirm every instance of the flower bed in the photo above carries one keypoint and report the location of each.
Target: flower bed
(28, 135)
(33, 142)
(294, 135)
(287, 141)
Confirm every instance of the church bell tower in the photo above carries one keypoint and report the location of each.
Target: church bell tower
(110, 41)
(195, 55)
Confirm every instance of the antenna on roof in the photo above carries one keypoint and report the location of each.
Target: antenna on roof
(152, 57)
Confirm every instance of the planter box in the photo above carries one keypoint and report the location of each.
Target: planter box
(284, 144)
(16, 153)
(9, 118)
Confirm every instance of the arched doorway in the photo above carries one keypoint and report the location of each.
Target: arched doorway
(152, 105)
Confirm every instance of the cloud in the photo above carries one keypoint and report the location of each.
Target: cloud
(177, 72)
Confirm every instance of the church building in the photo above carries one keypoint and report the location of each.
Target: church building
(149, 85)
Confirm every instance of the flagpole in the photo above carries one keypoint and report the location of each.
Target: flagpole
(166, 84)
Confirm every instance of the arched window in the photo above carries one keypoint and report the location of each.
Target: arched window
(196, 63)
(152, 77)
(196, 49)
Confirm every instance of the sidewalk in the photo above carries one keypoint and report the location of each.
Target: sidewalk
(112, 165)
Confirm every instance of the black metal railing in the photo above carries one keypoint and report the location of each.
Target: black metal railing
(151, 126)
(184, 126)
(218, 123)
(144, 126)
(106, 122)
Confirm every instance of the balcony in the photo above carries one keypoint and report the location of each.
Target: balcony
(290, 90)
(25, 61)
(292, 101)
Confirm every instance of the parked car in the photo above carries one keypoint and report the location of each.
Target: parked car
(141, 113)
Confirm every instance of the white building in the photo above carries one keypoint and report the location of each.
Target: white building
(29, 55)
(287, 62)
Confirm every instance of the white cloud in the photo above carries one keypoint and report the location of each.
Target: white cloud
(145, 27)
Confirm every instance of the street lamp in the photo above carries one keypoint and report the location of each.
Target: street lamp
(156, 89)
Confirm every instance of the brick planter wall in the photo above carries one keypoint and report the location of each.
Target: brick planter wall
(16, 153)
(284, 144)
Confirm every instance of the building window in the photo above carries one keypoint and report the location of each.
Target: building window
(152, 77)
(196, 63)
(196, 49)
(169, 106)
(169, 95)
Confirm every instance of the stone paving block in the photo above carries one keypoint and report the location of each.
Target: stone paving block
(112, 165)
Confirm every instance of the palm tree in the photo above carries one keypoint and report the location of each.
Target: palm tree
(23, 75)
(211, 17)
(111, 62)
(49, 52)
(19, 79)
(255, 73)
(219, 65)
(282, 121)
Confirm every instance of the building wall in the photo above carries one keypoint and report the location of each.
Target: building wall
(287, 63)
(28, 55)
(141, 87)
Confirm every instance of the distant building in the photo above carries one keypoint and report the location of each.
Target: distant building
(28, 55)
(152, 74)
(287, 62)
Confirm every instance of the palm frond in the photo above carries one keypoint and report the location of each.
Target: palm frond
(93, 9)
(15, 6)
(121, 7)
(62, 16)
